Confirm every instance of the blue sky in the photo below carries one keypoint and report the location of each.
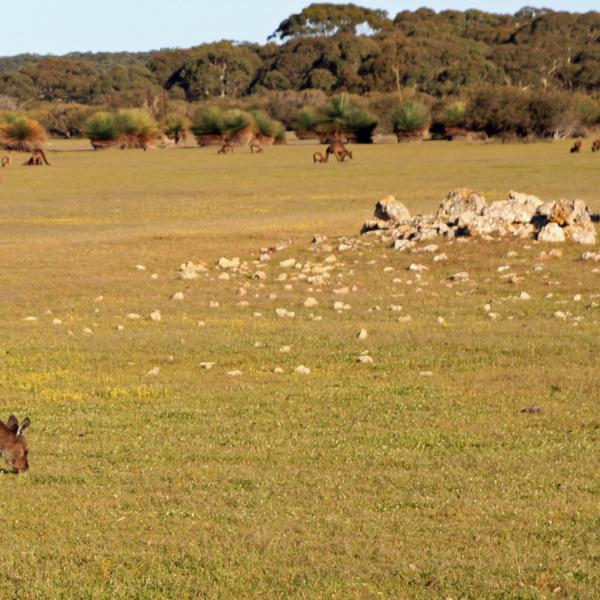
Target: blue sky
(60, 26)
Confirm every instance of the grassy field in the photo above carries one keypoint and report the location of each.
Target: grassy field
(416, 476)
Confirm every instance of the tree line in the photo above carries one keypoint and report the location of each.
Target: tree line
(434, 58)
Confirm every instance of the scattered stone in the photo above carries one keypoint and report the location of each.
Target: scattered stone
(389, 209)
(234, 373)
(224, 277)
(155, 315)
(285, 349)
(178, 296)
(593, 256)
(302, 370)
(416, 267)
(213, 304)
(228, 263)
(98, 298)
(462, 276)
(153, 372)
(362, 334)
(310, 302)
(405, 319)
(342, 291)
(284, 313)
(259, 275)
(524, 296)
(87, 331)
(440, 257)
(286, 264)
(577, 298)
(426, 373)
(207, 365)
(31, 319)
(140, 267)
(133, 316)
(120, 327)
(365, 359)
(190, 270)
(395, 308)
(278, 370)
(56, 322)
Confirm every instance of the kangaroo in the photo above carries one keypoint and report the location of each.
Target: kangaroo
(255, 146)
(596, 145)
(37, 156)
(339, 151)
(6, 161)
(13, 446)
(319, 158)
(226, 149)
(576, 147)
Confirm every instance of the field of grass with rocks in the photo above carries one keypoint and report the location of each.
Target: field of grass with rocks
(235, 394)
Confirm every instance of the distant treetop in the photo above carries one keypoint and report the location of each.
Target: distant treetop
(330, 19)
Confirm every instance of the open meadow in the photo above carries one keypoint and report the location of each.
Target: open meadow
(414, 476)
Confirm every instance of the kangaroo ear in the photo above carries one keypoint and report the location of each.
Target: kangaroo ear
(12, 424)
(25, 423)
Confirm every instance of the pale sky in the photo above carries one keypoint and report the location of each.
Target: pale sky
(61, 26)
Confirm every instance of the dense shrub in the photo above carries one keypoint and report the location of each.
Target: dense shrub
(409, 117)
(20, 133)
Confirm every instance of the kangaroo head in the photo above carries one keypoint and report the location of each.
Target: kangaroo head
(13, 445)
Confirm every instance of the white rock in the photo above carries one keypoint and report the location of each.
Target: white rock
(524, 296)
(426, 373)
(310, 302)
(98, 298)
(341, 291)
(417, 267)
(140, 267)
(286, 264)
(462, 276)
(207, 365)
(577, 298)
(302, 370)
(234, 373)
(285, 349)
(56, 322)
(278, 370)
(30, 319)
(365, 359)
(133, 316)
(362, 334)
(213, 304)
(177, 296)
(87, 331)
(155, 315)
(229, 263)
(395, 308)
(224, 277)
(154, 371)
(330, 259)
(440, 257)
(259, 275)
(552, 233)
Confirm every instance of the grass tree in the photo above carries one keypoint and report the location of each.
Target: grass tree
(409, 120)
(176, 127)
(20, 133)
(101, 129)
(208, 126)
(341, 118)
(136, 127)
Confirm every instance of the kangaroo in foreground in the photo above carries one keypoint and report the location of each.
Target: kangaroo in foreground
(36, 158)
(13, 446)
(576, 147)
(339, 151)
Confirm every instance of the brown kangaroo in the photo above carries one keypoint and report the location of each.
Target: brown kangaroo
(255, 145)
(226, 148)
(6, 161)
(596, 145)
(339, 151)
(36, 158)
(576, 147)
(319, 158)
(13, 446)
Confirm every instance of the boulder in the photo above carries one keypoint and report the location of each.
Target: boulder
(570, 212)
(390, 209)
(458, 202)
(551, 233)
(582, 234)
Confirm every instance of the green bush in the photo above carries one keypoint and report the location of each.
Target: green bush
(176, 126)
(409, 117)
(307, 119)
(21, 133)
(236, 120)
(453, 115)
(208, 121)
(136, 123)
(101, 126)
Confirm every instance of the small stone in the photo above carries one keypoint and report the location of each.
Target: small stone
(56, 322)
(462, 276)
(395, 308)
(155, 315)
(341, 291)
(310, 302)
(285, 348)
(259, 275)
(286, 264)
(153, 372)
(417, 267)
(362, 334)
(207, 365)
(440, 257)
(330, 259)
(213, 304)
(365, 359)
(177, 296)
(441, 321)
(302, 370)
(224, 277)
(98, 298)
(405, 319)
(278, 370)
(140, 267)
(229, 263)
(426, 373)
(234, 373)
(524, 296)
(87, 331)
(133, 316)
(577, 298)
(31, 319)
(120, 327)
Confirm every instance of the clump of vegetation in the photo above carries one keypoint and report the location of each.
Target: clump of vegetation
(208, 121)
(453, 115)
(20, 133)
(339, 118)
(101, 127)
(176, 127)
(136, 126)
(236, 120)
(264, 125)
(409, 119)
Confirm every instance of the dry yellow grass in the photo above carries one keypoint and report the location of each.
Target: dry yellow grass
(356, 481)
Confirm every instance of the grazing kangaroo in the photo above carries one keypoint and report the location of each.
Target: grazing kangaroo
(255, 145)
(13, 446)
(36, 158)
(319, 158)
(339, 151)
(226, 149)
(6, 161)
(576, 147)
(595, 145)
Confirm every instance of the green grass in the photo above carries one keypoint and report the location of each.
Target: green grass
(357, 481)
